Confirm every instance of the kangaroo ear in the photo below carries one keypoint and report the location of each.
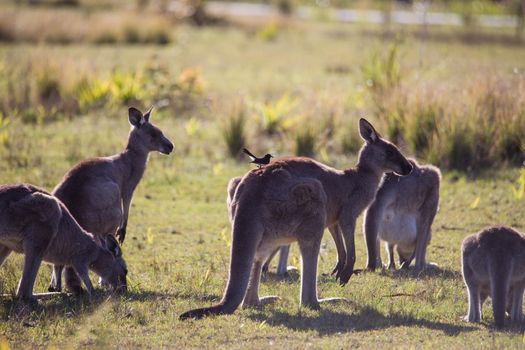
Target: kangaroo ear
(367, 131)
(112, 245)
(147, 114)
(135, 117)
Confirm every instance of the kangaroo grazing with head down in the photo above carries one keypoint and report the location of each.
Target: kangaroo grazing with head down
(98, 191)
(493, 264)
(35, 223)
(401, 215)
(295, 199)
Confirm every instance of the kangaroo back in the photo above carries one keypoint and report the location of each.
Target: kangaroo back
(40, 205)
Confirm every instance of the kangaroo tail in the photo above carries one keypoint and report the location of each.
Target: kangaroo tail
(500, 272)
(246, 236)
(249, 153)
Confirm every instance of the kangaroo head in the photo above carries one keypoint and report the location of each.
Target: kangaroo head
(118, 271)
(145, 135)
(380, 153)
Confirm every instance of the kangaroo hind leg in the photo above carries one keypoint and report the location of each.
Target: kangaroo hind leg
(252, 299)
(516, 308)
(310, 235)
(474, 294)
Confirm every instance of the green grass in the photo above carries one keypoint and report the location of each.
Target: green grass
(178, 254)
(177, 246)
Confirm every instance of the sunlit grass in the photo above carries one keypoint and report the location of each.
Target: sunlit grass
(179, 233)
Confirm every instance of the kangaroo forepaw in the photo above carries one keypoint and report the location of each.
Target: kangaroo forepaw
(121, 235)
(345, 275)
(338, 268)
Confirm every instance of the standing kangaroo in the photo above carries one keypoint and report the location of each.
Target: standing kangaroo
(98, 191)
(493, 263)
(295, 199)
(37, 224)
(401, 215)
(282, 266)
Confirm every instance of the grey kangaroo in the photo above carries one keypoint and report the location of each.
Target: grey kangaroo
(35, 223)
(282, 266)
(295, 199)
(493, 264)
(401, 215)
(98, 191)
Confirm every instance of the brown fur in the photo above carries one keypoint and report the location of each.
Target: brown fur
(401, 215)
(98, 191)
(493, 264)
(295, 199)
(35, 223)
(282, 267)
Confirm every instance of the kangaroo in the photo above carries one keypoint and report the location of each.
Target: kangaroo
(98, 191)
(282, 266)
(401, 215)
(295, 199)
(493, 263)
(35, 223)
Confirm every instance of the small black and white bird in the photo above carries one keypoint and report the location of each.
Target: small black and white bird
(258, 161)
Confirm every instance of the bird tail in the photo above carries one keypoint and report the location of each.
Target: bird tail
(249, 153)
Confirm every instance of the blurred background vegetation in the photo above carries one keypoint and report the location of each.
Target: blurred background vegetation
(445, 80)
(287, 76)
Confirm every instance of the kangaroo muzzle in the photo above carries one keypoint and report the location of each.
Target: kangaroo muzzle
(166, 147)
(406, 169)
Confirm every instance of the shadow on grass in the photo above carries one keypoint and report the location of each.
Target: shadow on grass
(147, 295)
(365, 319)
(53, 307)
(434, 272)
(291, 276)
(61, 305)
(324, 277)
(197, 296)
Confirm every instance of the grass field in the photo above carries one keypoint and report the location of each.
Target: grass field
(177, 246)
